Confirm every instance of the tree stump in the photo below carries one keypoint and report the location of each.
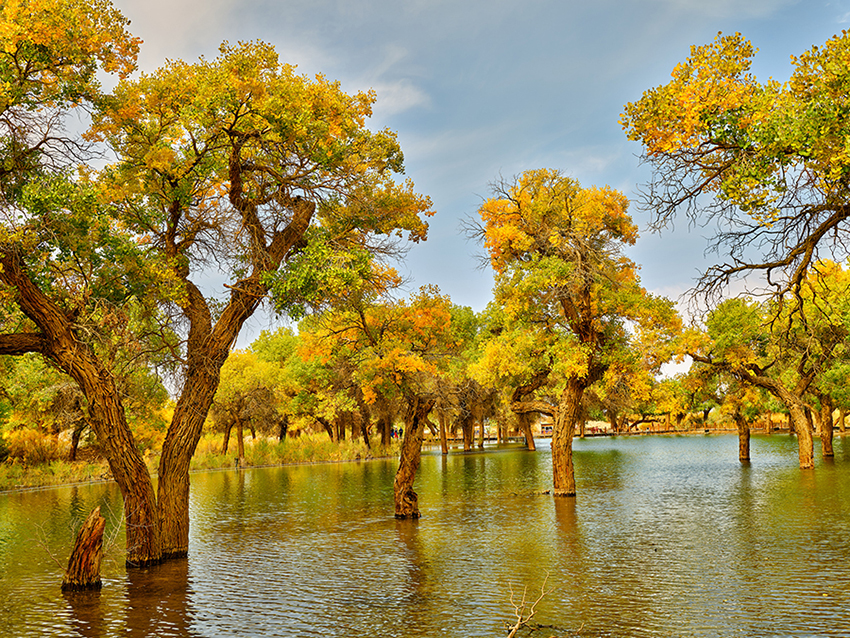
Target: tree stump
(83, 571)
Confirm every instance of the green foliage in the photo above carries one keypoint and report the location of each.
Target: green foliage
(738, 330)
(318, 275)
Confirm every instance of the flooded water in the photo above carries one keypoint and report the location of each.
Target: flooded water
(669, 536)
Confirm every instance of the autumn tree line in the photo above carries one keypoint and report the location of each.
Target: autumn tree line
(240, 166)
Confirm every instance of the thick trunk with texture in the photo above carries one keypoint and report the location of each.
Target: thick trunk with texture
(207, 348)
(177, 450)
(563, 431)
(466, 428)
(84, 564)
(800, 425)
(405, 498)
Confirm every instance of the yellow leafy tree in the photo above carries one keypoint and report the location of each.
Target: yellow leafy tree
(572, 299)
(767, 162)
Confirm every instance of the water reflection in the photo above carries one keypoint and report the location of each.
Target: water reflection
(87, 617)
(667, 537)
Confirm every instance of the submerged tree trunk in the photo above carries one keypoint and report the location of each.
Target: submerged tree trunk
(805, 443)
(207, 348)
(743, 437)
(826, 428)
(179, 447)
(466, 427)
(405, 498)
(444, 440)
(84, 564)
(563, 431)
(478, 415)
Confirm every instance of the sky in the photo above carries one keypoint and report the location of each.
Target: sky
(477, 89)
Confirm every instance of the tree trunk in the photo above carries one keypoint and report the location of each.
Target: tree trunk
(568, 414)
(842, 413)
(805, 444)
(177, 451)
(466, 427)
(79, 428)
(283, 425)
(227, 428)
(84, 564)
(240, 441)
(478, 414)
(612, 420)
(826, 428)
(405, 499)
(524, 421)
(743, 437)
(444, 440)
(206, 350)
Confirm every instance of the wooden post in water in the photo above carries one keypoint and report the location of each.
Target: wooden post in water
(84, 564)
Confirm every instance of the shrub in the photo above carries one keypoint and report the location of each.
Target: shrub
(32, 446)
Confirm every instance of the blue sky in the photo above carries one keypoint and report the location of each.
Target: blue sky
(479, 88)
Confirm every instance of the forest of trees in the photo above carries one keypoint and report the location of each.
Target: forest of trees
(110, 334)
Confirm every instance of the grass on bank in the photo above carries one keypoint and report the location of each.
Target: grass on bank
(24, 473)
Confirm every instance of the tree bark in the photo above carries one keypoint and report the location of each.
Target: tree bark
(524, 422)
(566, 417)
(240, 440)
(83, 571)
(227, 428)
(405, 498)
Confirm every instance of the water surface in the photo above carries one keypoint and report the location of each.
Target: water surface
(669, 536)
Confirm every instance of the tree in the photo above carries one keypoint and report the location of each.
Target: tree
(782, 348)
(247, 395)
(241, 162)
(400, 350)
(766, 162)
(561, 276)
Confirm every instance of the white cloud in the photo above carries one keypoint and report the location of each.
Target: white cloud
(397, 97)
